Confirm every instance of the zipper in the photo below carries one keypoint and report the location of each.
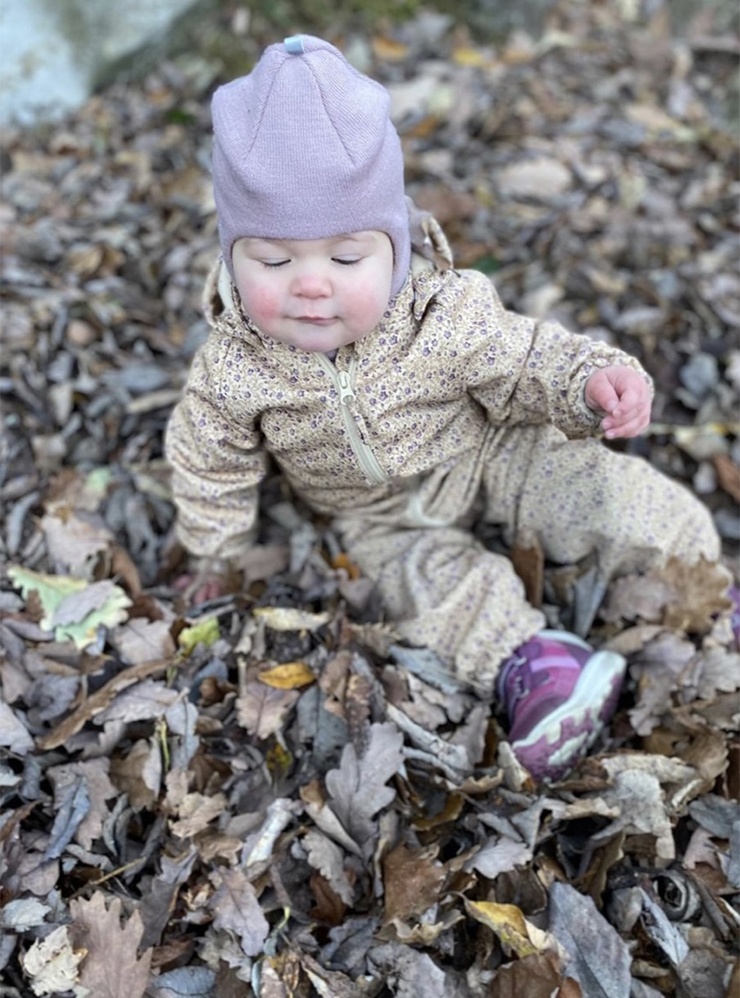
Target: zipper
(344, 381)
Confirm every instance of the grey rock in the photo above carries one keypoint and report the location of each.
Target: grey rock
(700, 375)
(55, 52)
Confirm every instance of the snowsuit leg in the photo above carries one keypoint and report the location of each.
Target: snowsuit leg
(445, 590)
(578, 497)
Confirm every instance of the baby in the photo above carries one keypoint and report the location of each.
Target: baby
(399, 397)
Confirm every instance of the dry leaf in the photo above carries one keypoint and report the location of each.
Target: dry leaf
(326, 857)
(112, 967)
(142, 640)
(22, 914)
(290, 676)
(93, 773)
(728, 474)
(237, 909)
(499, 856)
(597, 957)
(262, 710)
(412, 882)
(680, 596)
(98, 701)
(73, 542)
(535, 976)
(195, 813)
(13, 732)
(282, 618)
(53, 965)
(139, 773)
(507, 921)
(357, 789)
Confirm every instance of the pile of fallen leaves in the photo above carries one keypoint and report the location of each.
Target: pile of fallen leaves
(266, 795)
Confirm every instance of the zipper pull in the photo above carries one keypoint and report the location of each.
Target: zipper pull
(345, 387)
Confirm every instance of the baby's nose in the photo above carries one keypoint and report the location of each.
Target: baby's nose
(312, 284)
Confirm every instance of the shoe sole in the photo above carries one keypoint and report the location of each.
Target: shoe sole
(563, 737)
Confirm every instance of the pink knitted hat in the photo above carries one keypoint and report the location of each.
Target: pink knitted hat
(304, 148)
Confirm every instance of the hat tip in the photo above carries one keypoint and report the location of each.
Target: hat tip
(294, 45)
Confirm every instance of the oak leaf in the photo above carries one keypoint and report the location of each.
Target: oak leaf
(112, 968)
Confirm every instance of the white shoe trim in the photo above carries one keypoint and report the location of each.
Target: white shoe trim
(592, 689)
(565, 638)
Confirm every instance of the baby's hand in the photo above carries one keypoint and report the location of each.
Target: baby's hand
(624, 396)
(199, 589)
(208, 579)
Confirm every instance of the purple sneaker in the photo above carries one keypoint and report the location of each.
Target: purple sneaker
(559, 694)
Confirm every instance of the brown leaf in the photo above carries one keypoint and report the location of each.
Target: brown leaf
(140, 640)
(139, 773)
(262, 710)
(707, 753)
(528, 560)
(534, 976)
(98, 701)
(508, 922)
(75, 541)
(112, 968)
(412, 881)
(237, 909)
(329, 907)
(682, 597)
(728, 475)
(94, 773)
(326, 857)
(195, 812)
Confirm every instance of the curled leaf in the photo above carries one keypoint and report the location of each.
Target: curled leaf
(507, 921)
(290, 676)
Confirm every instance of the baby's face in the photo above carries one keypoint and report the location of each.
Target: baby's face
(317, 294)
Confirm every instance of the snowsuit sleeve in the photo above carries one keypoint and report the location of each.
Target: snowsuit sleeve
(217, 460)
(525, 371)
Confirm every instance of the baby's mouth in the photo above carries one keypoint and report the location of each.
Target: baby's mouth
(316, 320)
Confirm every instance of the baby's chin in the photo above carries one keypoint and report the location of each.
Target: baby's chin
(318, 339)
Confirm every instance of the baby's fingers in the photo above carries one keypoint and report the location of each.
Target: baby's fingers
(628, 424)
(635, 396)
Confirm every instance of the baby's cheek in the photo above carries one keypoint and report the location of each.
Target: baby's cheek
(371, 302)
(262, 305)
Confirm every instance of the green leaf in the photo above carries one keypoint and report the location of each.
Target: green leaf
(204, 633)
(73, 608)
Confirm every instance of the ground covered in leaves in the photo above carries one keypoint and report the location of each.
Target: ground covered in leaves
(264, 795)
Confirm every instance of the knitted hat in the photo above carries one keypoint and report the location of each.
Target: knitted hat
(304, 148)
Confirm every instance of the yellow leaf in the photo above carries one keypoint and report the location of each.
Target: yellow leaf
(463, 56)
(507, 921)
(343, 560)
(451, 810)
(389, 50)
(289, 676)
